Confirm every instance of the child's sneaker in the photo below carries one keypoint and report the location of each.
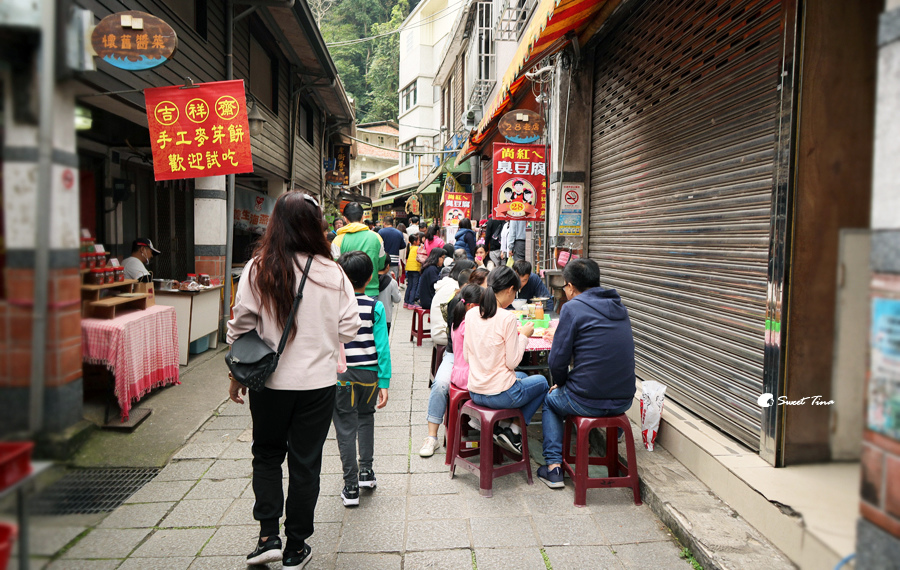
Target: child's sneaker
(350, 495)
(430, 445)
(367, 478)
(268, 551)
(294, 560)
(509, 440)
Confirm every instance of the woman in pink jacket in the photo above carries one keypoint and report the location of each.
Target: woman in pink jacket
(432, 238)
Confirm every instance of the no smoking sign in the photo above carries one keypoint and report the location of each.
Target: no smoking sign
(572, 197)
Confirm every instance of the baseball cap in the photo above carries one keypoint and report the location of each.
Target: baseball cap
(144, 242)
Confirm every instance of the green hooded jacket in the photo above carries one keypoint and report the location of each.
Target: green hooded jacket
(358, 237)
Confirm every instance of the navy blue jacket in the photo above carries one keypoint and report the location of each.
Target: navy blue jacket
(465, 239)
(428, 278)
(393, 243)
(535, 288)
(594, 333)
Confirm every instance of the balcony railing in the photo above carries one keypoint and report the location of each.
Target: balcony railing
(481, 67)
(512, 19)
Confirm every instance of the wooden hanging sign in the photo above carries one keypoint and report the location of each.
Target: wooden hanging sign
(521, 126)
(134, 40)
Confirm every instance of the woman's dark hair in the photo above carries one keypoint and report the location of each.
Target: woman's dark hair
(479, 276)
(434, 258)
(463, 279)
(465, 224)
(498, 280)
(449, 249)
(402, 227)
(484, 247)
(468, 294)
(461, 266)
(433, 230)
(358, 267)
(295, 227)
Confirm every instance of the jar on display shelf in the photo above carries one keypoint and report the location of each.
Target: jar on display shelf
(119, 273)
(204, 279)
(110, 275)
(96, 276)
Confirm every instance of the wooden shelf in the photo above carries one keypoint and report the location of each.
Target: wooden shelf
(115, 301)
(117, 284)
(107, 308)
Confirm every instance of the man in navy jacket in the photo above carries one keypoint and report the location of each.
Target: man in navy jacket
(532, 286)
(594, 333)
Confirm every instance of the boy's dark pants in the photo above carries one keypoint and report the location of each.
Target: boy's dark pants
(354, 420)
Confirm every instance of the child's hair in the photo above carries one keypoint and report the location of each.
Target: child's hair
(414, 239)
(498, 280)
(479, 276)
(464, 277)
(434, 258)
(469, 294)
(461, 266)
(358, 267)
(433, 229)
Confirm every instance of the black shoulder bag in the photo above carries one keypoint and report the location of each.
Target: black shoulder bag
(250, 359)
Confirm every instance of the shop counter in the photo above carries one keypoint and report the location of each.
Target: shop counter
(197, 316)
(140, 348)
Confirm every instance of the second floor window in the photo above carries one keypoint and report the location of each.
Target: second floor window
(408, 157)
(408, 97)
(263, 75)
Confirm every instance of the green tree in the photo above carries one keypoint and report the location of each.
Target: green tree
(384, 72)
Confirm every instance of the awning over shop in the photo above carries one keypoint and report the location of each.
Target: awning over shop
(546, 34)
(382, 202)
(448, 165)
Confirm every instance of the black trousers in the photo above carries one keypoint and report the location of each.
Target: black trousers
(292, 423)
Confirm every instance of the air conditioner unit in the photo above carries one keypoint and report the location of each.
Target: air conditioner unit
(471, 117)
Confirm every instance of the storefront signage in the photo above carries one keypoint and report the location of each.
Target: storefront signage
(252, 211)
(334, 178)
(457, 205)
(134, 40)
(520, 181)
(342, 162)
(521, 126)
(884, 361)
(199, 131)
(571, 209)
(413, 205)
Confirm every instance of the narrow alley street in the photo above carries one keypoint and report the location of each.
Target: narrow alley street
(197, 512)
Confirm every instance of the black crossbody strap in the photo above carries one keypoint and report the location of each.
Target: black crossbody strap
(290, 321)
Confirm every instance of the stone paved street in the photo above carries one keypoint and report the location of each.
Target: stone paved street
(197, 512)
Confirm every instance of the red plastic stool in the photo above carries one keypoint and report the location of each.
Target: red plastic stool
(458, 397)
(437, 356)
(487, 450)
(402, 279)
(577, 466)
(419, 332)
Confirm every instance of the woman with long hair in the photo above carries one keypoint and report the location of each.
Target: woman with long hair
(494, 345)
(432, 238)
(292, 414)
(431, 273)
(482, 259)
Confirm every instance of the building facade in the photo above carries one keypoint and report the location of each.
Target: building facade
(376, 156)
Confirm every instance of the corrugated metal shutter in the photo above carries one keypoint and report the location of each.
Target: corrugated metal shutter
(684, 129)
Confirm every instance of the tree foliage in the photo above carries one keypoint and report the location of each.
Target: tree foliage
(369, 70)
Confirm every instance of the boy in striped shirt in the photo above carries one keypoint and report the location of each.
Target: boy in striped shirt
(368, 373)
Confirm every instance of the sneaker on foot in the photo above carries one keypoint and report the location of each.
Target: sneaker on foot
(430, 445)
(294, 560)
(475, 424)
(509, 440)
(553, 479)
(350, 495)
(367, 478)
(268, 551)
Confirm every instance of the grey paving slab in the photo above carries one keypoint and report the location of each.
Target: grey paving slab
(507, 558)
(218, 489)
(168, 543)
(322, 561)
(64, 564)
(107, 543)
(40, 563)
(325, 538)
(136, 516)
(204, 512)
(391, 464)
(161, 492)
(631, 524)
(216, 436)
(374, 508)
(48, 540)
(179, 563)
(392, 432)
(369, 561)
(391, 419)
(582, 557)
(503, 532)
(434, 483)
(328, 510)
(201, 451)
(433, 464)
(232, 541)
(239, 422)
(231, 409)
(332, 464)
(385, 446)
(230, 469)
(438, 560)
(330, 484)
(223, 563)
(569, 530)
(391, 483)
(427, 507)
(506, 505)
(655, 555)
(185, 470)
(239, 513)
(362, 536)
(437, 534)
(237, 450)
(558, 501)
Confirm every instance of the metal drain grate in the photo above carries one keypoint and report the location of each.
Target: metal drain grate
(88, 491)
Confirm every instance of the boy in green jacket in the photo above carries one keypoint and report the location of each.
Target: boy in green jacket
(356, 236)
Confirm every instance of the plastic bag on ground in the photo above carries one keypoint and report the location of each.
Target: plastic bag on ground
(652, 397)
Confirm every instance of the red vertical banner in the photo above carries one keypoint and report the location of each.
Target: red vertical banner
(520, 181)
(457, 205)
(199, 131)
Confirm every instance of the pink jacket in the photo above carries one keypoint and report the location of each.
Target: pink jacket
(328, 316)
(459, 376)
(429, 245)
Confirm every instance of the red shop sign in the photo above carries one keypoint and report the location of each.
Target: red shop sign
(520, 181)
(457, 205)
(199, 131)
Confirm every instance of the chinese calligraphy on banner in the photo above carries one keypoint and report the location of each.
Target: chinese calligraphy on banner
(457, 205)
(342, 166)
(520, 181)
(252, 211)
(199, 131)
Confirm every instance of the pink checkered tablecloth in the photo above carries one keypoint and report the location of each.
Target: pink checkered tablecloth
(139, 348)
(536, 343)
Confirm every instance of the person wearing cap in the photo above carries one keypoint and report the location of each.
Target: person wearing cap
(142, 251)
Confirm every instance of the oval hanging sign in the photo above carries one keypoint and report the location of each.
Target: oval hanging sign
(134, 40)
(521, 126)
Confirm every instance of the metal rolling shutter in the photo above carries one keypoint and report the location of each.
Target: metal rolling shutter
(684, 126)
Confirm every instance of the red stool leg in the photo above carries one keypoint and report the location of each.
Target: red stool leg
(454, 442)
(612, 451)
(412, 328)
(421, 316)
(526, 456)
(582, 461)
(632, 463)
(452, 421)
(486, 461)
(567, 440)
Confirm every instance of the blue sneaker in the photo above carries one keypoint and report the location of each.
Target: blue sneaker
(553, 479)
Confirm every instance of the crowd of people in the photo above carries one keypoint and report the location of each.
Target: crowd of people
(336, 366)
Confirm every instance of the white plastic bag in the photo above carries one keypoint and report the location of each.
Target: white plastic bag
(652, 398)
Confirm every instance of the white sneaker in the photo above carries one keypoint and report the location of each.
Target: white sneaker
(475, 424)
(430, 445)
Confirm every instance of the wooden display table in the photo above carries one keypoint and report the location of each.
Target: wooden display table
(197, 315)
(125, 299)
